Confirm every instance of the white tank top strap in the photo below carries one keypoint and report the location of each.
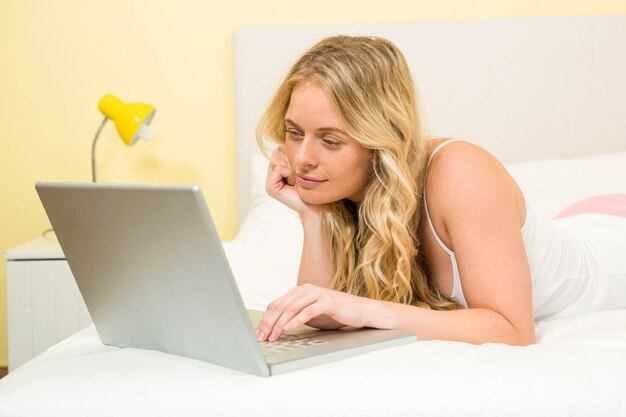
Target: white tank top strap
(441, 145)
(432, 229)
(430, 223)
(457, 291)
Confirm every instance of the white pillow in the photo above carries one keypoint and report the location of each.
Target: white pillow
(258, 173)
(271, 221)
(550, 185)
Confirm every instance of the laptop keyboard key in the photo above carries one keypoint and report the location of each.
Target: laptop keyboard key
(289, 342)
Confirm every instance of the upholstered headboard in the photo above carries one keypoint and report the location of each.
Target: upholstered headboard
(529, 88)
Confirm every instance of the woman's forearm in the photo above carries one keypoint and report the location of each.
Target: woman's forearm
(474, 325)
(315, 263)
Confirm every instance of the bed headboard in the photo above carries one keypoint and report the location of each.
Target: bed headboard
(524, 88)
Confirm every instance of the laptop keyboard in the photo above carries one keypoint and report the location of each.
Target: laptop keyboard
(288, 342)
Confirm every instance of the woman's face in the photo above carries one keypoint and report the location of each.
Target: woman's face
(328, 165)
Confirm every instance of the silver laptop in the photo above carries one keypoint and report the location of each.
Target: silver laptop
(151, 269)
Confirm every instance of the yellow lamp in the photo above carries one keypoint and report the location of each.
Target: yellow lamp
(131, 120)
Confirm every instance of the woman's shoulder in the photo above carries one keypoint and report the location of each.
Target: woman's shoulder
(462, 174)
(450, 158)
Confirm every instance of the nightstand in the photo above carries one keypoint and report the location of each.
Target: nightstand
(44, 305)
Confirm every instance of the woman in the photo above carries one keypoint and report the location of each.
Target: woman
(428, 236)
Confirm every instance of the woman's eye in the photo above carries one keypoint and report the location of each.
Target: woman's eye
(332, 143)
(294, 134)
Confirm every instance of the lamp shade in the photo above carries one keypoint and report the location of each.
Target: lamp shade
(131, 119)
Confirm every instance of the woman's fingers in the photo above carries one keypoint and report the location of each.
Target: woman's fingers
(307, 314)
(300, 311)
(275, 180)
(284, 309)
(271, 316)
(279, 183)
(309, 302)
(288, 177)
(278, 157)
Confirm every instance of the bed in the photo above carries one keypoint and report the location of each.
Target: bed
(545, 95)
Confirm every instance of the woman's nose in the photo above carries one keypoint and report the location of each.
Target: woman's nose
(305, 157)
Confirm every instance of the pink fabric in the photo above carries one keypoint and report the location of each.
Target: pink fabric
(613, 204)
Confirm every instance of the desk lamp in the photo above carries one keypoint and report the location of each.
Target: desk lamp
(131, 120)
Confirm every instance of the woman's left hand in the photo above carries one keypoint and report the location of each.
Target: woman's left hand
(310, 304)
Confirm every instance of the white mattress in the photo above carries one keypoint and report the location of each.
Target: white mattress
(577, 368)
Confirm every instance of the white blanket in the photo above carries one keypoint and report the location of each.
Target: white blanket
(578, 368)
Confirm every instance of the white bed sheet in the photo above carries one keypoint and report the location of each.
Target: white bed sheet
(578, 367)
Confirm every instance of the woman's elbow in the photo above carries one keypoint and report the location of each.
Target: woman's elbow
(524, 338)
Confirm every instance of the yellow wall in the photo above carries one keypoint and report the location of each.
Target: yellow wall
(57, 58)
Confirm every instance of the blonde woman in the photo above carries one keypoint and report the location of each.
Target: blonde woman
(400, 232)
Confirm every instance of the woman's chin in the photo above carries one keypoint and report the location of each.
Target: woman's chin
(314, 198)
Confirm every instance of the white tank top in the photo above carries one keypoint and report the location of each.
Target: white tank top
(577, 263)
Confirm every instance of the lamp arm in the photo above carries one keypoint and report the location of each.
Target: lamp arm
(93, 150)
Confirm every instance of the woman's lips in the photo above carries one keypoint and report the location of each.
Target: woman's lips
(308, 180)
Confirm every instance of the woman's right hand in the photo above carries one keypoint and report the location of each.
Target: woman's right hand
(281, 186)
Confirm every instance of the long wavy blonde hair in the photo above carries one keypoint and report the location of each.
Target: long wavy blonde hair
(376, 249)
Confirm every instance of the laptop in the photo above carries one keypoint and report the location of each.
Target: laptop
(153, 274)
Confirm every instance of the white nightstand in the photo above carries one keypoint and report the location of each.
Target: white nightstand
(44, 305)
